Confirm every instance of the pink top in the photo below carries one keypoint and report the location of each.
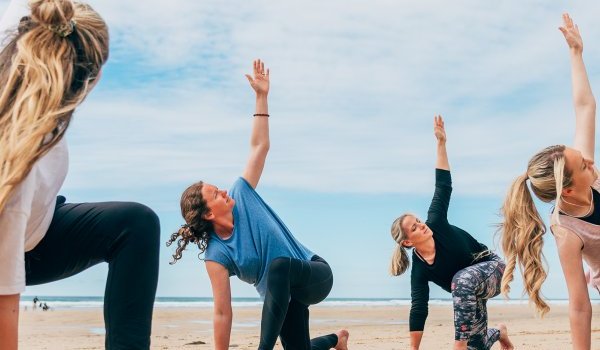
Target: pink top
(590, 236)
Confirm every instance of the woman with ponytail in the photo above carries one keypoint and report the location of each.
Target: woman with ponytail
(241, 235)
(451, 258)
(50, 62)
(567, 177)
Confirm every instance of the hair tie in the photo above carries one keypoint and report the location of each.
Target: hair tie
(63, 30)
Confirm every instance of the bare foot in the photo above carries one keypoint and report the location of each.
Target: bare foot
(342, 343)
(505, 343)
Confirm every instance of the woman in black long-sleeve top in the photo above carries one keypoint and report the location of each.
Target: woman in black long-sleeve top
(451, 258)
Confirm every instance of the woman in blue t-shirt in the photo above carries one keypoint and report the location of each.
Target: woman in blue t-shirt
(451, 258)
(242, 236)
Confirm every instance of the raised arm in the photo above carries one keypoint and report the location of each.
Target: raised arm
(223, 315)
(583, 99)
(259, 141)
(438, 209)
(440, 135)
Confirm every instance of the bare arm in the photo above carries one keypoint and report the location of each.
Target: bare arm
(583, 99)
(440, 134)
(223, 315)
(415, 340)
(9, 321)
(259, 140)
(580, 308)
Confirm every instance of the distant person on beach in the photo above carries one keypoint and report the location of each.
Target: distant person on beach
(51, 60)
(35, 301)
(241, 235)
(566, 176)
(451, 258)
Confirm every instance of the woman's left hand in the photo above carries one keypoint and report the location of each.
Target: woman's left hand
(260, 80)
(571, 33)
(438, 128)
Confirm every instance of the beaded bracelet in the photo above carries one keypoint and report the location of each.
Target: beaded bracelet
(261, 115)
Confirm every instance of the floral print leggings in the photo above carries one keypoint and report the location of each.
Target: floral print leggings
(471, 288)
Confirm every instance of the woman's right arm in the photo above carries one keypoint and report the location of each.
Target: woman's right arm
(419, 295)
(9, 321)
(12, 274)
(223, 315)
(415, 340)
(580, 309)
(583, 99)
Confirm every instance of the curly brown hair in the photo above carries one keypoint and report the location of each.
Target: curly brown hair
(196, 229)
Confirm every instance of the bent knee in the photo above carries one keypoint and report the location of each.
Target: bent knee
(138, 220)
(461, 282)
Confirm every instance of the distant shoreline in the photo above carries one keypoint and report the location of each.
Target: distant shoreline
(70, 302)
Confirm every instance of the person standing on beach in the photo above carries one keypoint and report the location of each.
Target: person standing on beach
(568, 177)
(451, 258)
(52, 60)
(241, 235)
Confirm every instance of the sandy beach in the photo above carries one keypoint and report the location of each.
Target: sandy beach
(371, 327)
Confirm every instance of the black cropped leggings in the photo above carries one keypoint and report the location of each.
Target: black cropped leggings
(292, 286)
(126, 236)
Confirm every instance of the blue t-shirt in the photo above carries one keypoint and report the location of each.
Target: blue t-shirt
(258, 237)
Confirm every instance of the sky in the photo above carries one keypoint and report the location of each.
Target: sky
(354, 88)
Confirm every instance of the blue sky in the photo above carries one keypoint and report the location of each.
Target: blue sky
(354, 90)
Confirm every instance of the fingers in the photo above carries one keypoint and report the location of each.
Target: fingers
(250, 80)
(258, 68)
(567, 21)
(563, 30)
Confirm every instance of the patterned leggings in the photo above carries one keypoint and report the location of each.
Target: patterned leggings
(471, 288)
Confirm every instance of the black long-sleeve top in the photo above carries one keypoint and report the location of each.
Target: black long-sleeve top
(455, 249)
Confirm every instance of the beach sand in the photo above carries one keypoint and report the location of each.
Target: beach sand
(371, 327)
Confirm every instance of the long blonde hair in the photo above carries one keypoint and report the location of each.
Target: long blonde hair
(522, 229)
(400, 262)
(45, 72)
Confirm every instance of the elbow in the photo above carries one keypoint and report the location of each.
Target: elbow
(223, 315)
(587, 103)
(261, 148)
(580, 307)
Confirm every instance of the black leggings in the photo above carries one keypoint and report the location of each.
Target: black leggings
(293, 285)
(126, 236)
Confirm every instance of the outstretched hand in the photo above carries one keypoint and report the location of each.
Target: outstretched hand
(260, 79)
(438, 128)
(571, 33)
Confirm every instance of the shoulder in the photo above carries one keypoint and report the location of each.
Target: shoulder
(241, 186)
(596, 184)
(566, 238)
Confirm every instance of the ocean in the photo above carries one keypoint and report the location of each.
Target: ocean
(69, 302)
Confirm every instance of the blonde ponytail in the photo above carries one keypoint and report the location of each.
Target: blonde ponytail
(45, 72)
(400, 262)
(522, 229)
(522, 242)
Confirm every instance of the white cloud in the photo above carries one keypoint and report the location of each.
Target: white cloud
(354, 90)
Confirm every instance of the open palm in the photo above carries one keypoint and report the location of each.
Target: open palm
(571, 33)
(438, 128)
(259, 80)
